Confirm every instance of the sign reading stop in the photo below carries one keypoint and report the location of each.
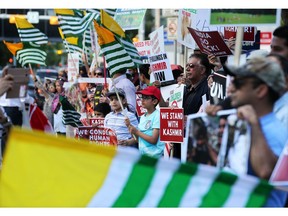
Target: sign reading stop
(172, 28)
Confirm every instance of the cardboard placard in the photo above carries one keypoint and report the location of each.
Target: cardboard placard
(20, 86)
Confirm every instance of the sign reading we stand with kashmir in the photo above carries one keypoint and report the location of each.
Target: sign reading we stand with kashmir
(171, 124)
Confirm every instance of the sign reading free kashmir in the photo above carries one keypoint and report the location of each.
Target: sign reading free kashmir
(171, 124)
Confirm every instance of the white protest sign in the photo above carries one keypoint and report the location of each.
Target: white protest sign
(144, 48)
(157, 39)
(161, 68)
(186, 19)
(73, 66)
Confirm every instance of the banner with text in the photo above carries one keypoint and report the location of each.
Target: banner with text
(99, 135)
(157, 39)
(210, 42)
(161, 68)
(171, 124)
(130, 18)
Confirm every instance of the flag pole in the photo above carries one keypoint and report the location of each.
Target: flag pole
(63, 38)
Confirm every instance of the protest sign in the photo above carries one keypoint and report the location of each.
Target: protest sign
(222, 140)
(96, 121)
(130, 18)
(186, 18)
(157, 39)
(144, 48)
(176, 96)
(245, 17)
(210, 42)
(161, 68)
(249, 33)
(73, 66)
(99, 135)
(218, 88)
(171, 124)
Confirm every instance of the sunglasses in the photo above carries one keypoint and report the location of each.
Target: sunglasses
(99, 74)
(190, 65)
(240, 82)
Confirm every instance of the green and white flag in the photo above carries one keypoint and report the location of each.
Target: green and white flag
(74, 22)
(26, 53)
(42, 170)
(70, 115)
(28, 33)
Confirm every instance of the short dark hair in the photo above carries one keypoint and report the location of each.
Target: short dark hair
(203, 61)
(282, 32)
(103, 108)
(144, 69)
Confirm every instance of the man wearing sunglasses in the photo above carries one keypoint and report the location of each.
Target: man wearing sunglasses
(197, 71)
(255, 88)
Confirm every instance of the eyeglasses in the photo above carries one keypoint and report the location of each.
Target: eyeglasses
(190, 65)
(146, 97)
(98, 74)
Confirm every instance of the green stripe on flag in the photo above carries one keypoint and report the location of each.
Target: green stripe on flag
(142, 173)
(259, 195)
(175, 191)
(219, 191)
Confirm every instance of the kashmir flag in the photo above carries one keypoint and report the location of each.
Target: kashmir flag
(109, 23)
(74, 26)
(115, 55)
(28, 33)
(27, 53)
(41, 170)
(74, 22)
(70, 115)
(111, 12)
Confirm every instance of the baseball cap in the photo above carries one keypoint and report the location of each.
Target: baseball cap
(266, 70)
(120, 92)
(151, 91)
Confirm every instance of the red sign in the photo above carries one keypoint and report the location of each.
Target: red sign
(99, 135)
(97, 122)
(171, 124)
(210, 42)
(249, 33)
(265, 37)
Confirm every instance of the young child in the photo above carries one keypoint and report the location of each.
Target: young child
(149, 125)
(116, 119)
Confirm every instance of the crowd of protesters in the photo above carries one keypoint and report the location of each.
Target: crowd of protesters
(258, 91)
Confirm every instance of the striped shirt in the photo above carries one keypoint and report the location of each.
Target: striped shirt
(116, 121)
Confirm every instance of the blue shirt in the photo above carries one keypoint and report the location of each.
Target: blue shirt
(146, 126)
(276, 135)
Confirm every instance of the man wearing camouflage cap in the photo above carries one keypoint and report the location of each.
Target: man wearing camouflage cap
(255, 88)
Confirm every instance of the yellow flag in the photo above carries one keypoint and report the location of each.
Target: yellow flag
(64, 11)
(44, 170)
(104, 35)
(22, 23)
(111, 24)
(13, 47)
